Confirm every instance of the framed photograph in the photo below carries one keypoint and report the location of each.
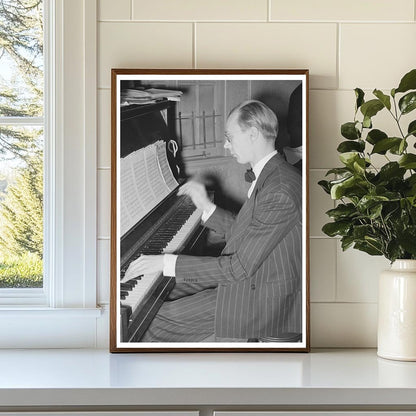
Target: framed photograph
(209, 211)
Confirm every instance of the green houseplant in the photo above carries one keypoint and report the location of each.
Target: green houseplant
(376, 209)
(376, 212)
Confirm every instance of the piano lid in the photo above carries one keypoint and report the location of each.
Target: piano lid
(141, 125)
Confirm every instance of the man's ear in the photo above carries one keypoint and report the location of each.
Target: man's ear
(254, 133)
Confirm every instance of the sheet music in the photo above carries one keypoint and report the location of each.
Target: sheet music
(164, 165)
(145, 180)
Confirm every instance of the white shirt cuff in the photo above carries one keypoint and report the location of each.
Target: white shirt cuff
(169, 264)
(206, 214)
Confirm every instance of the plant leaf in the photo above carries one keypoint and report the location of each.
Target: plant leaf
(390, 170)
(350, 146)
(325, 186)
(393, 250)
(369, 201)
(338, 189)
(371, 108)
(346, 242)
(359, 95)
(385, 99)
(411, 130)
(375, 211)
(383, 145)
(398, 149)
(368, 248)
(408, 161)
(408, 82)
(336, 228)
(367, 122)
(349, 131)
(348, 158)
(338, 171)
(407, 239)
(342, 211)
(375, 136)
(408, 102)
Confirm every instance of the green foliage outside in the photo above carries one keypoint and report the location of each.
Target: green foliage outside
(21, 95)
(21, 214)
(21, 271)
(376, 212)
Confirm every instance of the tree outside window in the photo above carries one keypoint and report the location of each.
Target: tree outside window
(21, 143)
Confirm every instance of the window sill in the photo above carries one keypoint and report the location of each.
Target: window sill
(38, 311)
(40, 327)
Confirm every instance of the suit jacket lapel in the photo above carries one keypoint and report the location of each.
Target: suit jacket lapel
(269, 167)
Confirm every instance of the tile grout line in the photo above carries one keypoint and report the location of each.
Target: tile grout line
(338, 65)
(254, 21)
(336, 271)
(194, 63)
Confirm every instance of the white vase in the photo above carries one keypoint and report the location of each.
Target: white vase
(397, 312)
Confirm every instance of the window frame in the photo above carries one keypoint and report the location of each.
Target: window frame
(68, 298)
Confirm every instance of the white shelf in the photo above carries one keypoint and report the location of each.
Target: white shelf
(58, 378)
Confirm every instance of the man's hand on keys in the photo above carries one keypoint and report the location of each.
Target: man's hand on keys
(144, 265)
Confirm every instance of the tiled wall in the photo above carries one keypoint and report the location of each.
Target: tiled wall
(345, 44)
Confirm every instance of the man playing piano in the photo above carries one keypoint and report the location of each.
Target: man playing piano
(253, 288)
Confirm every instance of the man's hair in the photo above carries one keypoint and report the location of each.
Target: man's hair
(253, 113)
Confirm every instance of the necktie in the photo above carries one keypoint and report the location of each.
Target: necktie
(249, 175)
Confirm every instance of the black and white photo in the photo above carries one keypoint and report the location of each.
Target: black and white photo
(209, 242)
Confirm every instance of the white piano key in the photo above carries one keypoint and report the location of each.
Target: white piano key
(181, 236)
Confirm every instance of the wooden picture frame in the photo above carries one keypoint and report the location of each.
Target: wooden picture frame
(251, 293)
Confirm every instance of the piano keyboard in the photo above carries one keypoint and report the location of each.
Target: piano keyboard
(135, 290)
(169, 238)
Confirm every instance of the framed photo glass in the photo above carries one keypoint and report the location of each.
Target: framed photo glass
(209, 211)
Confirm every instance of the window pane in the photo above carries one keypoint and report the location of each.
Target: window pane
(21, 146)
(21, 58)
(21, 208)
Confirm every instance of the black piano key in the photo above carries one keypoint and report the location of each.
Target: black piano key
(128, 285)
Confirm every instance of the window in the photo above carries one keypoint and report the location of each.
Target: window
(21, 143)
(63, 312)
(200, 118)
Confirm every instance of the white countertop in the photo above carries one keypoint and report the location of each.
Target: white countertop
(96, 377)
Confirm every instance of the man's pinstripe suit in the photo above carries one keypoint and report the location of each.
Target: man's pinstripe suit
(259, 272)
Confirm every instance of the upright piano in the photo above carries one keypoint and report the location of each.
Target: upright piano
(172, 226)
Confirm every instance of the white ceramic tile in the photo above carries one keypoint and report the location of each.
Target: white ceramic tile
(272, 45)
(376, 55)
(327, 111)
(343, 325)
(114, 10)
(103, 271)
(142, 45)
(323, 269)
(340, 10)
(319, 203)
(357, 275)
(104, 202)
(104, 128)
(200, 10)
